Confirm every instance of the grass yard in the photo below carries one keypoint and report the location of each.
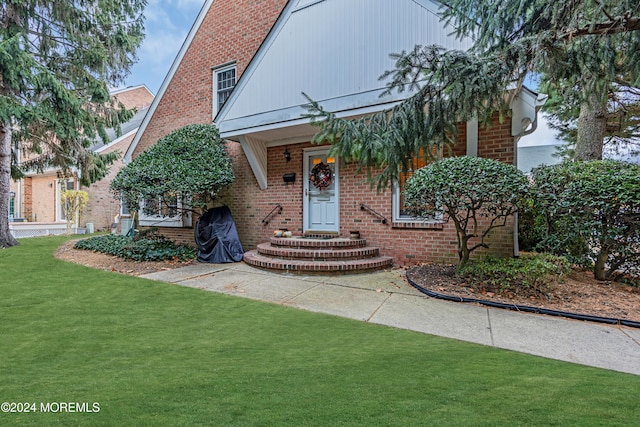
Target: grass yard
(151, 353)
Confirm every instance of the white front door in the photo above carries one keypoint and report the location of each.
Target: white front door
(321, 206)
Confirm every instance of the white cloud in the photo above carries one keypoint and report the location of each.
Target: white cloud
(161, 48)
(167, 23)
(158, 17)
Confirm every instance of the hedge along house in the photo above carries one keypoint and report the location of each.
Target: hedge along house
(335, 51)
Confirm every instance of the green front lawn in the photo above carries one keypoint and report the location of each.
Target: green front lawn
(151, 353)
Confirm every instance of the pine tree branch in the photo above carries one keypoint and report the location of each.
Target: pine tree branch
(602, 8)
(615, 26)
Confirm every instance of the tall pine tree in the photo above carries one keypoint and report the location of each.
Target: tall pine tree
(57, 59)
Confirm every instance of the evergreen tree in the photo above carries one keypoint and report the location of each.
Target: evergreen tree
(586, 51)
(583, 45)
(57, 59)
(622, 128)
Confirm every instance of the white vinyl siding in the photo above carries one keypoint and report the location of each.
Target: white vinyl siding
(347, 43)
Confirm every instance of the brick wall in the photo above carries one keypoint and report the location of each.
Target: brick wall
(231, 31)
(249, 205)
(180, 235)
(497, 142)
(27, 199)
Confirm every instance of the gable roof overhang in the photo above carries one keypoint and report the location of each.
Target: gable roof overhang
(288, 126)
(289, 123)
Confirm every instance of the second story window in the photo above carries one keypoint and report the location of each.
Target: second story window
(224, 79)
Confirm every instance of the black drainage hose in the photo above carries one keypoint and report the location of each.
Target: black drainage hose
(526, 308)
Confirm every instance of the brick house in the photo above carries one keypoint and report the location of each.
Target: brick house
(335, 51)
(35, 199)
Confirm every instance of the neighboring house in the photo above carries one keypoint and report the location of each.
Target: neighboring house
(102, 207)
(335, 51)
(36, 198)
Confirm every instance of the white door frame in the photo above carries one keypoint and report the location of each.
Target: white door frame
(307, 153)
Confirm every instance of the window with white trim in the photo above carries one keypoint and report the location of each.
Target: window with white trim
(224, 80)
(12, 206)
(165, 211)
(400, 213)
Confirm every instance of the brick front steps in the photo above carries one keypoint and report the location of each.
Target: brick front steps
(305, 255)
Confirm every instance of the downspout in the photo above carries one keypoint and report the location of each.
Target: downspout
(516, 238)
(524, 122)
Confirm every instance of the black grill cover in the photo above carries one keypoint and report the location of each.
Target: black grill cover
(217, 237)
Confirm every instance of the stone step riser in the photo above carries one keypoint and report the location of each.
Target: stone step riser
(317, 267)
(269, 250)
(317, 256)
(318, 244)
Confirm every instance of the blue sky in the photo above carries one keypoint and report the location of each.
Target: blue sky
(167, 24)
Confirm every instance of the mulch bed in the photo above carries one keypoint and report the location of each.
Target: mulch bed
(578, 293)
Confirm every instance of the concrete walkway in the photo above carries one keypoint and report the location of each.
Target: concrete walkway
(386, 298)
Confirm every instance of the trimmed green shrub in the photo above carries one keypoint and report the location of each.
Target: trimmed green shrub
(477, 194)
(531, 225)
(530, 274)
(152, 248)
(592, 214)
(191, 162)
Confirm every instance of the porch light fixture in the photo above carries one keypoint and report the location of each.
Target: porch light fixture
(287, 154)
(12, 194)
